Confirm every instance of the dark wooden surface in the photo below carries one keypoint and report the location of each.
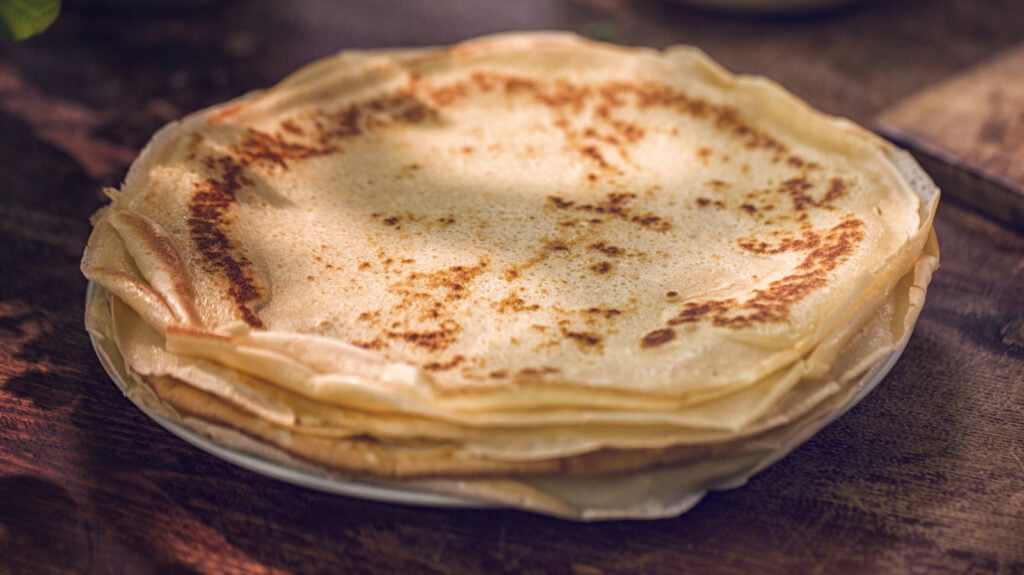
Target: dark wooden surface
(972, 123)
(925, 476)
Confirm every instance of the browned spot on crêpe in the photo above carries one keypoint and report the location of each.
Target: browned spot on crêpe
(658, 338)
(535, 372)
(513, 303)
(424, 306)
(602, 312)
(589, 115)
(585, 340)
(825, 252)
(431, 340)
(295, 139)
(387, 111)
(274, 150)
(207, 223)
(607, 249)
(798, 191)
(452, 281)
(619, 206)
(445, 365)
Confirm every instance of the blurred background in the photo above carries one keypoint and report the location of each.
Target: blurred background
(153, 61)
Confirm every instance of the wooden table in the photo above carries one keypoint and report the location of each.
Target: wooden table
(925, 476)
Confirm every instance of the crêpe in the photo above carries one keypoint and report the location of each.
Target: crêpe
(507, 256)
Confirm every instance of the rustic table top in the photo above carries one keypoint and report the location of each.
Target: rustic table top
(926, 475)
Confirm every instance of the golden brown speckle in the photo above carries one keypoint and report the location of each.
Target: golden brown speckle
(825, 252)
(207, 222)
(658, 338)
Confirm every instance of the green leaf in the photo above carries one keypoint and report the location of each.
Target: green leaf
(20, 19)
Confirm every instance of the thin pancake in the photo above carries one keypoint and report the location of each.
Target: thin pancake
(529, 219)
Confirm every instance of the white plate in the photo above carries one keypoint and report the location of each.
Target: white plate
(348, 487)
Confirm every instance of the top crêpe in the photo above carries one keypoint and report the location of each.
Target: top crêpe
(522, 221)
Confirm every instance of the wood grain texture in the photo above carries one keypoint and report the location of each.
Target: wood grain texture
(970, 127)
(925, 476)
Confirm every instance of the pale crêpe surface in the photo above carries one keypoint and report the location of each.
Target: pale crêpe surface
(523, 254)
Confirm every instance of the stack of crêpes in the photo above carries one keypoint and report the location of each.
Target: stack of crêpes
(528, 270)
